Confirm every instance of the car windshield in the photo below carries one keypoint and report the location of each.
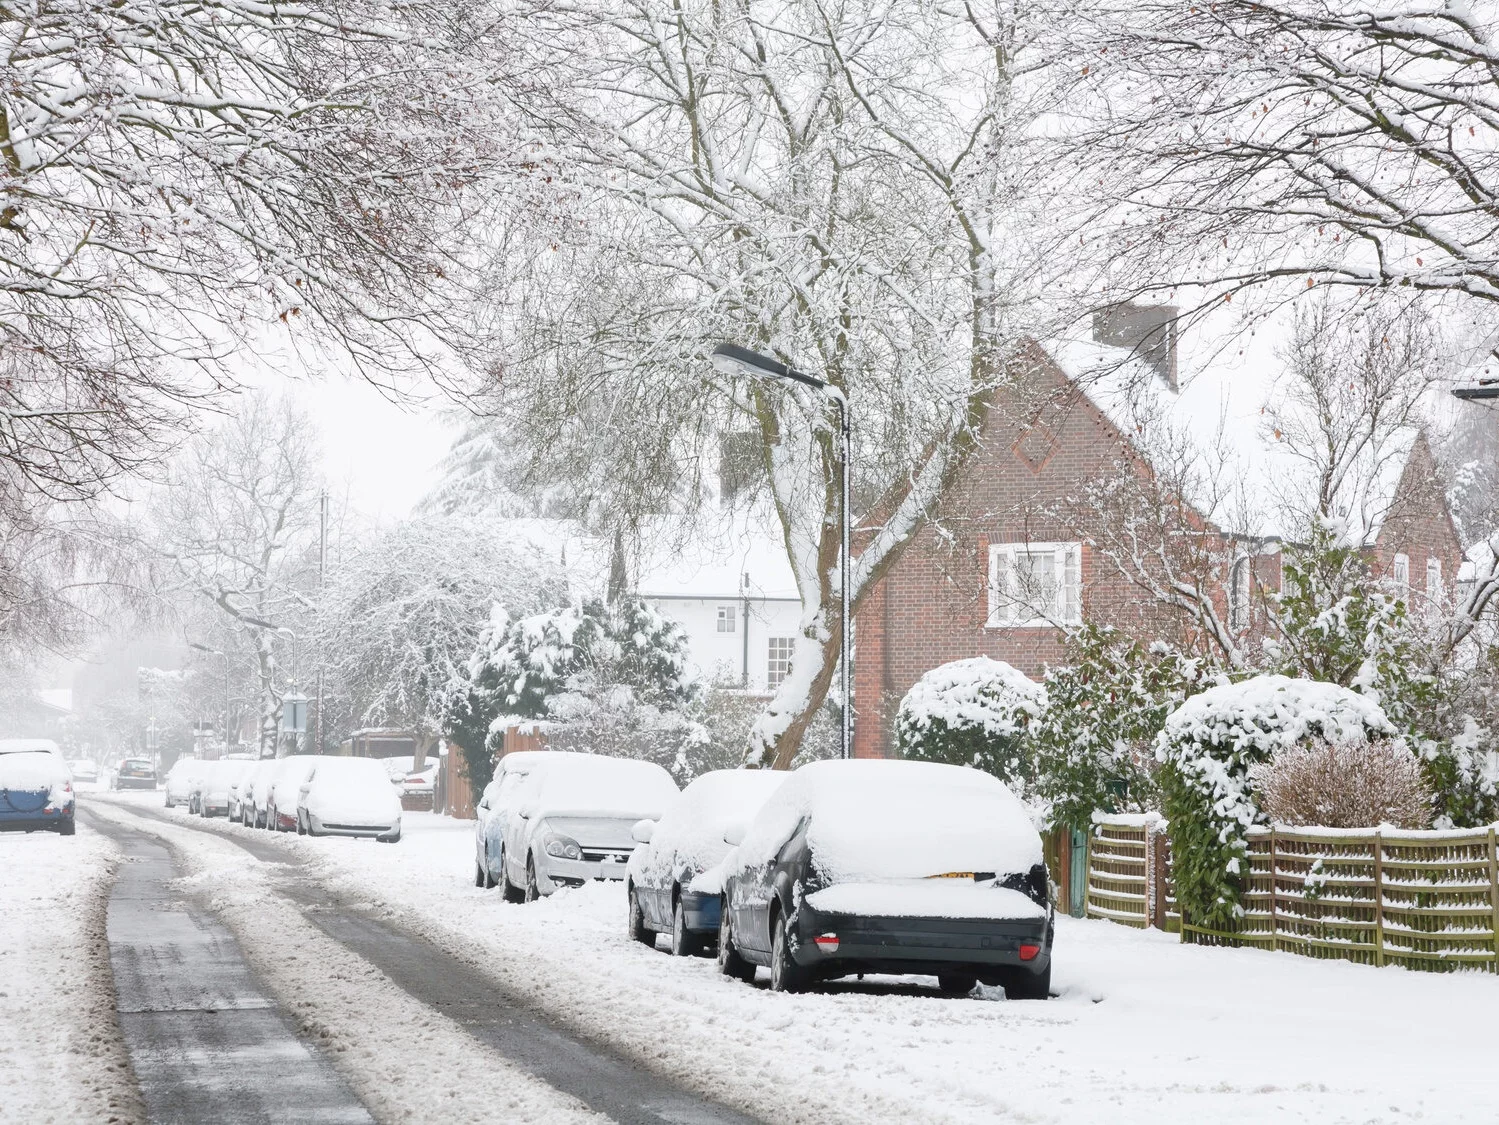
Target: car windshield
(600, 786)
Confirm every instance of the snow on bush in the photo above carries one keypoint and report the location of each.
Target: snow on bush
(1356, 784)
(972, 713)
(1209, 749)
(1463, 774)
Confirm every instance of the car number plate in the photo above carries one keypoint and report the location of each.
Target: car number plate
(953, 875)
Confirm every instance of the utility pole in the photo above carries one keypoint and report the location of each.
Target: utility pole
(322, 566)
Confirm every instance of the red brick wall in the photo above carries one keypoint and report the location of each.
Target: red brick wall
(1419, 525)
(1042, 442)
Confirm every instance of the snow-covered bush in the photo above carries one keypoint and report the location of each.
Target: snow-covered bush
(1093, 748)
(1209, 750)
(1463, 775)
(1356, 784)
(972, 713)
(606, 679)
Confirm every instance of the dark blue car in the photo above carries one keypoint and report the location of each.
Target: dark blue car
(36, 791)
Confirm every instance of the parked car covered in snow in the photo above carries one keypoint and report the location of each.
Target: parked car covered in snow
(210, 789)
(348, 797)
(573, 819)
(255, 792)
(181, 778)
(688, 840)
(36, 788)
(494, 811)
(880, 866)
(283, 791)
(85, 771)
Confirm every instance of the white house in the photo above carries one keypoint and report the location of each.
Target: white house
(725, 579)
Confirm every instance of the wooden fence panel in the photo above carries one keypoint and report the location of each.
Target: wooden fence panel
(1118, 872)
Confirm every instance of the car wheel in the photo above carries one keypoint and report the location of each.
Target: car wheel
(730, 963)
(508, 890)
(395, 838)
(785, 974)
(639, 931)
(955, 984)
(67, 827)
(684, 943)
(533, 892)
(1022, 984)
(479, 874)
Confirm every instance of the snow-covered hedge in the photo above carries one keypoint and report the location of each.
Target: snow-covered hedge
(972, 713)
(1208, 751)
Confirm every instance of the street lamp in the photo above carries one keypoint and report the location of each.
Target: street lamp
(732, 360)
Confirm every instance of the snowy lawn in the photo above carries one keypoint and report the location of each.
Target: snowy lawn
(61, 1055)
(1145, 1029)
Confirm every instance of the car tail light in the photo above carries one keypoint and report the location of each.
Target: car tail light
(828, 943)
(1029, 952)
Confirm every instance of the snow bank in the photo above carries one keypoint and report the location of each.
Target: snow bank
(62, 1057)
(690, 833)
(887, 820)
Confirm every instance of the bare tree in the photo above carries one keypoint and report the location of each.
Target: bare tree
(854, 188)
(177, 177)
(235, 516)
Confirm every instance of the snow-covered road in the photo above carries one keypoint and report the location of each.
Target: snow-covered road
(1144, 1029)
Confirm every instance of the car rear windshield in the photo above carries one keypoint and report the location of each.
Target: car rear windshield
(29, 770)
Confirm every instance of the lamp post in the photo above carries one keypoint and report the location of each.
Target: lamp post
(731, 359)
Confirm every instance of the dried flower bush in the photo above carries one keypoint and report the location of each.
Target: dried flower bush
(1351, 784)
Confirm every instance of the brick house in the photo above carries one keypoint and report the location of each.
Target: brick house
(1013, 520)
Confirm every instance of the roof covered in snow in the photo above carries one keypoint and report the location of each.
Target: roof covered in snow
(1224, 417)
(723, 553)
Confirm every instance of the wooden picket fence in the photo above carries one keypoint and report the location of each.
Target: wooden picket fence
(1425, 900)
(1129, 872)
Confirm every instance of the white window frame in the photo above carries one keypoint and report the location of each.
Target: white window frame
(726, 616)
(1240, 590)
(1434, 591)
(1400, 572)
(1008, 611)
(773, 681)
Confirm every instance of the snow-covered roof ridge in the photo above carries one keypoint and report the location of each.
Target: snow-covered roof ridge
(718, 553)
(1223, 418)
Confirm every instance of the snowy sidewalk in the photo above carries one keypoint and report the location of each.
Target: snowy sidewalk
(61, 1054)
(1145, 1029)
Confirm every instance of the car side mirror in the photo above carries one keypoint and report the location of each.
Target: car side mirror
(526, 812)
(733, 835)
(643, 830)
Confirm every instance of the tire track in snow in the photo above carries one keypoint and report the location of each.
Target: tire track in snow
(599, 1078)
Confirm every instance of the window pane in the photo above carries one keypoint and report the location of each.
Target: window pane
(779, 660)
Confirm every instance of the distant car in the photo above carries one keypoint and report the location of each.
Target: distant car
(889, 867)
(573, 819)
(282, 791)
(687, 841)
(36, 791)
(414, 786)
(135, 773)
(494, 811)
(178, 788)
(85, 771)
(349, 797)
(239, 787)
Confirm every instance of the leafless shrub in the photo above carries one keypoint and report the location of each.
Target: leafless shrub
(1346, 785)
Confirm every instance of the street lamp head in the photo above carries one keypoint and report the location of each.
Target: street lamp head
(737, 362)
(1478, 389)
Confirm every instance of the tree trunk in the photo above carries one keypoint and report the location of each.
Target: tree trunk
(270, 700)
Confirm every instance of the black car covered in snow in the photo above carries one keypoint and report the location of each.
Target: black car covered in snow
(890, 867)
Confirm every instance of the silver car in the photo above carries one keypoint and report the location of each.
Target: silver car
(573, 818)
(494, 812)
